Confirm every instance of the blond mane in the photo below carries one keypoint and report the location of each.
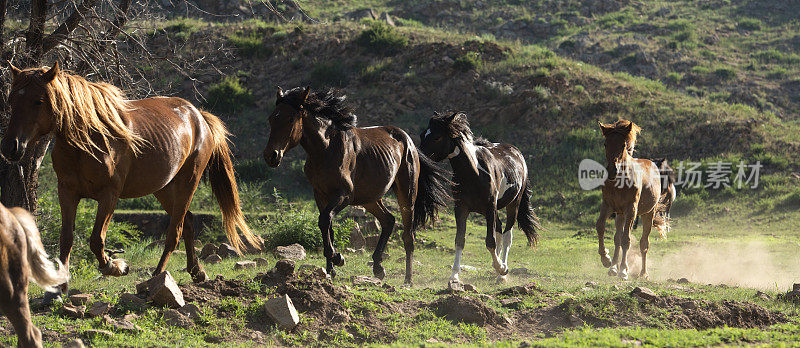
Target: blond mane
(83, 108)
(621, 127)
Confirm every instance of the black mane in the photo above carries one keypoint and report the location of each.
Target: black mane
(323, 104)
(458, 127)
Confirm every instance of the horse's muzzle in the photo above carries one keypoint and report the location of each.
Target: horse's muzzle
(273, 157)
(12, 149)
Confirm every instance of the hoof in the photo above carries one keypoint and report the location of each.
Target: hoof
(200, 277)
(455, 278)
(623, 274)
(612, 271)
(115, 268)
(408, 282)
(338, 260)
(605, 259)
(378, 271)
(644, 276)
(504, 270)
(502, 279)
(332, 273)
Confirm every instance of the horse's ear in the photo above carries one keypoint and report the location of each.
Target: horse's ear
(14, 70)
(605, 128)
(629, 128)
(452, 117)
(52, 73)
(280, 92)
(305, 94)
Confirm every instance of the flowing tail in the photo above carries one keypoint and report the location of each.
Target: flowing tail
(223, 185)
(432, 191)
(44, 272)
(527, 219)
(661, 221)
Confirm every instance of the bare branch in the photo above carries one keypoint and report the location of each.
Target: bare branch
(67, 27)
(33, 39)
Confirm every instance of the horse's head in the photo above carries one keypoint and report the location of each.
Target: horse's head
(620, 139)
(31, 110)
(286, 123)
(440, 139)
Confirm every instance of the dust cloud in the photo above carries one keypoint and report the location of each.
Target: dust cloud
(744, 264)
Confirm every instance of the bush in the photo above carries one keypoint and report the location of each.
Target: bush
(300, 226)
(329, 74)
(468, 61)
(250, 44)
(750, 24)
(228, 96)
(725, 73)
(382, 38)
(674, 78)
(778, 73)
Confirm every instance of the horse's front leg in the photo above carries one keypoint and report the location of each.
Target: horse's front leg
(491, 243)
(625, 241)
(332, 257)
(461, 232)
(619, 224)
(600, 226)
(97, 242)
(68, 201)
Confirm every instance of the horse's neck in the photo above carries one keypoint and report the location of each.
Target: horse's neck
(465, 162)
(315, 140)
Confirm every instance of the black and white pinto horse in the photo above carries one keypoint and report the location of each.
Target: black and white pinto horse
(486, 177)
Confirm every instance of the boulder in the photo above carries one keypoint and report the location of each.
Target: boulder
(98, 309)
(371, 242)
(207, 250)
(520, 271)
(162, 290)
(284, 268)
(470, 288)
(644, 294)
(225, 251)
(80, 299)
(455, 286)
(291, 252)
(282, 311)
(175, 318)
(244, 265)
(372, 226)
(357, 240)
(212, 259)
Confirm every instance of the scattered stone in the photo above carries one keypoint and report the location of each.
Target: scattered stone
(80, 299)
(74, 312)
(212, 259)
(455, 286)
(282, 311)
(514, 303)
(284, 268)
(121, 325)
(565, 294)
(163, 290)
(470, 288)
(76, 343)
(365, 280)
(468, 268)
(212, 338)
(208, 250)
(292, 252)
(591, 284)
(130, 317)
(190, 310)
(762, 295)
(644, 294)
(97, 309)
(131, 300)
(92, 333)
(244, 265)
(225, 251)
(521, 271)
(175, 318)
(683, 281)
(320, 273)
(261, 262)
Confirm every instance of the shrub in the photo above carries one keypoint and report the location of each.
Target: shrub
(382, 38)
(777, 73)
(300, 226)
(700, 70)
(750, 24)
(468, 61)
(579, 89)
(250, 44)
(674, 78)
(228, 96)
(725, 73)
(329, 74)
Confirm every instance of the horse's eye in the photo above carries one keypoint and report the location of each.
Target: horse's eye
(38, 102)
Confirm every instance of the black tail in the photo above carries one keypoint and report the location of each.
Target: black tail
(432, 192)
(527, 219)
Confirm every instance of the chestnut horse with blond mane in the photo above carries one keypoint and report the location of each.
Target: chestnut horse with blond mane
(632, 188)
(107, 148)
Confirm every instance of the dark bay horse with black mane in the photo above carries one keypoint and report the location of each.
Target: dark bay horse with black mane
(347, 165)
(487, 177)
(108, 147)
(632, 189)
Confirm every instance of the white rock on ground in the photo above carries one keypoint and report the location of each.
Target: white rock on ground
(291, 252)
(244, 265)
(282, 311)
(162, 290)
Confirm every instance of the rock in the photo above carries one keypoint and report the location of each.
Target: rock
(796, 287)
(74, 312)
(190, 310)
(371, 242)
(207, 250)
(357, 212)
(212, 259)
(76, 343)
(97, 309)
(244, 265)
(131, 301)
(261, 262)
(282, 311)
(307, 268)
(320, 273)
(470, 288)
(519, 271)
(644, 294)
(80, 299)
(163, 290)
(372, 226)
(365, 280)
(455, 286)
(514, 303)
(762, 295)
(468, 268)
(357, 240)
(225, 251)
(175, 318)
(591, 284)
(92, 333)
(683, 281)
(292, 252)
(284, 268)
(121, 325)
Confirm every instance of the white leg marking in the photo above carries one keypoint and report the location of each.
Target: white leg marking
(456, 264)
(507, 238)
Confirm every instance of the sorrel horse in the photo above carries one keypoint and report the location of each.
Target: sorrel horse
(633, 188)
(23, 257)
(347, 165)
(668, 191)
(107, 148)
(486, 177)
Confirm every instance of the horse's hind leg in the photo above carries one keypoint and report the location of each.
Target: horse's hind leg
(461, 232)
(175, 199)
(619, 224)
(15, 305)
(386, 221)
(491, 243)
(106, 203)
(192, 263)
(407, 211)
(644, 242)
